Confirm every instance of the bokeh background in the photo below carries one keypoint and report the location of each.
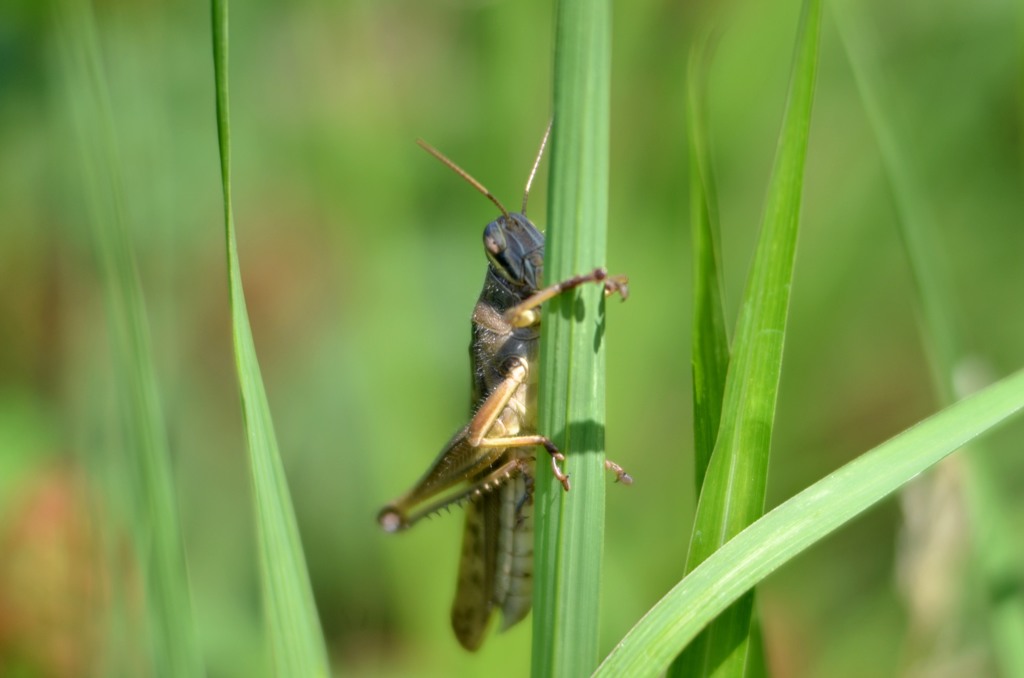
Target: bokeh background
(362, 260)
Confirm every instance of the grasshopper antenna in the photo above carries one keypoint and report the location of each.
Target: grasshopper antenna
(536, 164)
(464, 174)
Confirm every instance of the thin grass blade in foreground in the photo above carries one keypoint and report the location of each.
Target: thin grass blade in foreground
(710, 350)
(292, 626)
(146, 469)
(802, 521)
(733, 492)
(570, 526)
(710, 340)
(997, 552)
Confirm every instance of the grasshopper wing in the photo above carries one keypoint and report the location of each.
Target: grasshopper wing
(474, 595)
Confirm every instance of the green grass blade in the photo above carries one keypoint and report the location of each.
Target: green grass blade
(802, 521)
(292, 624)
(710, 350)
(570, 526)
(710, 340)
(146, 466)
(733, 492)
(996, 551)
(917, 225)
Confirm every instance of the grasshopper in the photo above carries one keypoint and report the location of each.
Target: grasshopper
(489, 463)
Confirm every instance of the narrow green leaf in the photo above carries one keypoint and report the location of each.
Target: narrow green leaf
(292, 625)
(996, 549)
(147, 464)
(570, 526)
(733, 492)
(800, 522)
(710, 350)
(917, 225)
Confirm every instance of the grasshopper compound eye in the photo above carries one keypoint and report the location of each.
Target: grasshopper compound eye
(494, 239)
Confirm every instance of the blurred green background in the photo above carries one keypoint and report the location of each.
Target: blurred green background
(362, 260)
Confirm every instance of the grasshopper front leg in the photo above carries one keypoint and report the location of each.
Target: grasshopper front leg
(527, 313)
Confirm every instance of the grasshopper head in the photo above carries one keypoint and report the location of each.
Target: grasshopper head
(515, 249)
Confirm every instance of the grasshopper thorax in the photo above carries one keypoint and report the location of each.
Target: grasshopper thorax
(515, 249)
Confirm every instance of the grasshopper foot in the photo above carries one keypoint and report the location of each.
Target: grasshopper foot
(620, 473)
(562, 476)
(617, 283)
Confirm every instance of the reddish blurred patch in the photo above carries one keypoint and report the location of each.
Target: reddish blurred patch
(49, 579)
